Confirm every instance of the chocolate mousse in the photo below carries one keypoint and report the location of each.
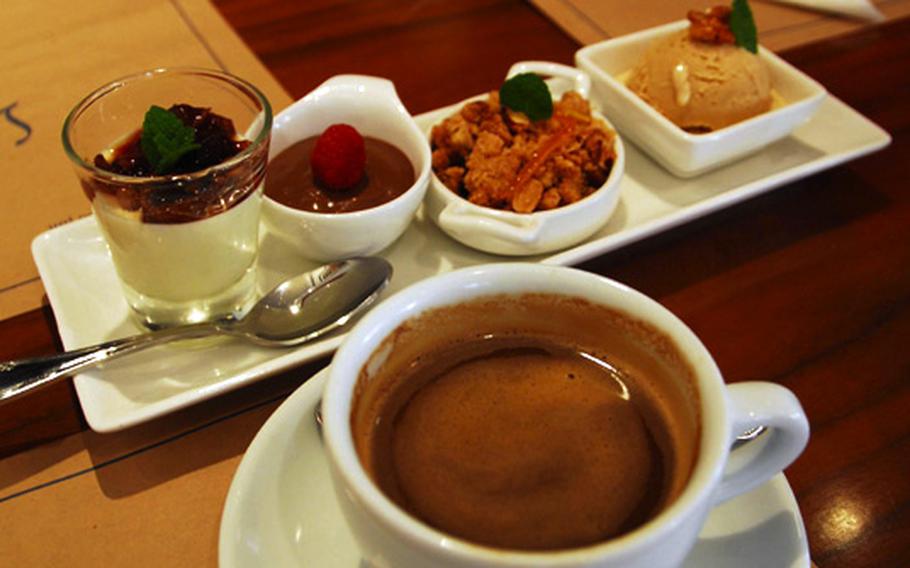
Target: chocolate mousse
(290, 180)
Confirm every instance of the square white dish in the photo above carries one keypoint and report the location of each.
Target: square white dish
(83, 291)
(681, 152)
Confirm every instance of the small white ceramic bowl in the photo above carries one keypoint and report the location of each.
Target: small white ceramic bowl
(522, 234)
(682, 153)
(371, 105)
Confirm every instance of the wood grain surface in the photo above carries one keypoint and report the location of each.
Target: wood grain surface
(807, 286)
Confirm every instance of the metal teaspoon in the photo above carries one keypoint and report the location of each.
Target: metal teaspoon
(298, 310)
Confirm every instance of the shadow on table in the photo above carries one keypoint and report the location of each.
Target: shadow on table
(189, 441)
(22, 472)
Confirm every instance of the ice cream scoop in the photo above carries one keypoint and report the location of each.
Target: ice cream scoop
(701, 86)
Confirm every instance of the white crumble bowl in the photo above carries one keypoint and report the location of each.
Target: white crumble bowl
(524, 234)
(682, 153)
(371, 105)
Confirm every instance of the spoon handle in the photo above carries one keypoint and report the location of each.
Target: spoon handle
(23, 375)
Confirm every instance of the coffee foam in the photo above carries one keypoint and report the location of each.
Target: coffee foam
(633, 347)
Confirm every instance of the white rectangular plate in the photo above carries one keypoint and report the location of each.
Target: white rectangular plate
(83, 291)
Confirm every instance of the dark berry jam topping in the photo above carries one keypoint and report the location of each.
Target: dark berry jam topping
(215, 135)
(165, 201)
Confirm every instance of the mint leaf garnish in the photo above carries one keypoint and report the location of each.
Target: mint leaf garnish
(743, 26)
(165, 139)
(527, 93)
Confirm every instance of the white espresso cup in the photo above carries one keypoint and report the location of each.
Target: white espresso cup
(388, 536)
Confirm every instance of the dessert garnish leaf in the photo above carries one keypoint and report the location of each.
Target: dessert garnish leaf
(743, 26)
(527, 93)
(165, 139)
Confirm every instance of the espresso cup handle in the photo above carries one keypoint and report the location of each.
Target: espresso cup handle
(755, 404)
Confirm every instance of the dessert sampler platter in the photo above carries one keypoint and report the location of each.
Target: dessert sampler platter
(627, 145)
(83, 290)
(85, 295)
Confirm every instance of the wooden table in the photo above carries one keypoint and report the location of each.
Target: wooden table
(808, 286)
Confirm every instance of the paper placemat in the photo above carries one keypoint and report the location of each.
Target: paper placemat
(52, 54)
(779, 26)
(148, 496)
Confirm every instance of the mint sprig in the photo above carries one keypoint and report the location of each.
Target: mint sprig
(742, 24)
(527, 93)
(165, 139)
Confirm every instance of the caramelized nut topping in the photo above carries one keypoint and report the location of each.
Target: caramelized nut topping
(711, 25)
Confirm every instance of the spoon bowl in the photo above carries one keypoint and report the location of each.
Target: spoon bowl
(312, 304)
(296, 311)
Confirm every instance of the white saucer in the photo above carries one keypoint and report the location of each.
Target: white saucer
(281, 511)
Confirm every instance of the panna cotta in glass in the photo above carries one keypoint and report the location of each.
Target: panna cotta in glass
(173, 162)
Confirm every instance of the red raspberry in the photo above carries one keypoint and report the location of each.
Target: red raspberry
(339, 157)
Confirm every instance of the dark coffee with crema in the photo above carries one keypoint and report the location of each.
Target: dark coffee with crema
(536, 422)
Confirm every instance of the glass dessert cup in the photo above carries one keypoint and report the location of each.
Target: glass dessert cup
(184, 245)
